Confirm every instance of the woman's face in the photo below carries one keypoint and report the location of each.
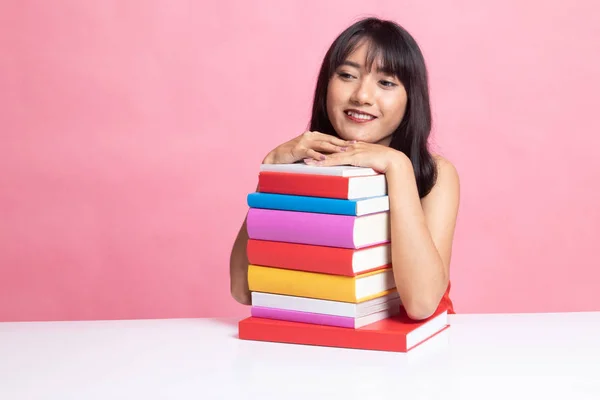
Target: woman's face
(364, 105)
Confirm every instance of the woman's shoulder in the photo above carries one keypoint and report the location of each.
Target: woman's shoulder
(445, 168)
(447, 178)
(441, 204)
(442, 161)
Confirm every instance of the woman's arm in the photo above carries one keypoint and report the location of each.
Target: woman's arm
(422, 232)
(238, 267)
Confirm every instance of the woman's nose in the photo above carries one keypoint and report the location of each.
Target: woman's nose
(363, 93)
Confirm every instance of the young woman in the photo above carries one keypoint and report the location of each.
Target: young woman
(371, 109)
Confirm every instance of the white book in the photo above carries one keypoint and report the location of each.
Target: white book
(364, 320)
(336, 170)
(319, 306)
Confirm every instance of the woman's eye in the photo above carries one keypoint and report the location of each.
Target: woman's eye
(388, 83)
(345, 75)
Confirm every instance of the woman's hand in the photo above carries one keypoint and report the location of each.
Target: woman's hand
(368, 155)
(309, 145)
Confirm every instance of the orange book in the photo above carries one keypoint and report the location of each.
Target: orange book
(350, 289)
(397, 334)
(321, 259)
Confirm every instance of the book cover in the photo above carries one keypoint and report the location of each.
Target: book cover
(322, 185)
(323, 205)
(321, 259)
(325, 319)
(318, 229)
(398, 333)
(302, 168)
(330, 307)
(321, 286)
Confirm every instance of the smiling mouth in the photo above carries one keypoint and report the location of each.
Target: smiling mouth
(359, 116)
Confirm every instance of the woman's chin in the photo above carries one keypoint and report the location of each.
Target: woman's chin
(354, 134)
(359, 137)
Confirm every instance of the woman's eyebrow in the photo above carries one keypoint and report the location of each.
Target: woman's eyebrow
(351, 64)
(380, 69)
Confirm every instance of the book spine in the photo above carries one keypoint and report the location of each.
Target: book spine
(301, 283)
(322, 205)
(302, 257)
(262, 329)
(301, 227)
(301, 168)
(306, 304)
(304, 317)
(303, 184)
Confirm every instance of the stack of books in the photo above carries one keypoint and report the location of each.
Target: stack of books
(320, 268)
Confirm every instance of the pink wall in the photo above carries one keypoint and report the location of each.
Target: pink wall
(119, 119)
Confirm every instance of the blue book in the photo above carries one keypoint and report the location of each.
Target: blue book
(323, 205)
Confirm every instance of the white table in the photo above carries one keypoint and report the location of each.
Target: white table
(527, 356)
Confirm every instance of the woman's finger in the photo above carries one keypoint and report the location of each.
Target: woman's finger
(340, 142)
(337, 159)
(334, 159)
(333, 139)
(328, 147)
(315, 155)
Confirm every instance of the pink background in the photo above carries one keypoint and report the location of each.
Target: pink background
(120, 119)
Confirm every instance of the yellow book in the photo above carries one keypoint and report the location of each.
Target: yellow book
(315, 285)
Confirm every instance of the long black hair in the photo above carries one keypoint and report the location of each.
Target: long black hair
(401, 56)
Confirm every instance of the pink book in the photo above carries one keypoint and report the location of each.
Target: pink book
(322, 319)
(347, 231)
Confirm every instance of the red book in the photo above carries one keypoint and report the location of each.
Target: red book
(321, 259)
(397, 334)
(320, 185)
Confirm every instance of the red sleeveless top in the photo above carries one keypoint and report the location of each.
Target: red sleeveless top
(446, 302)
